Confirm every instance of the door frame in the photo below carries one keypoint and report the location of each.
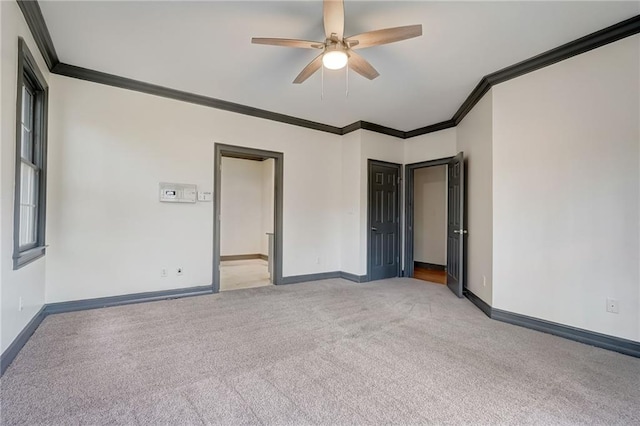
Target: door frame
(245, 153)
(408, 209)
(371, 162)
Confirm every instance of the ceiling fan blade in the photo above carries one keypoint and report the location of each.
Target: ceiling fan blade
(309, 70)
(388, 35)
(361, 66)
(333, 13)
(287, 42)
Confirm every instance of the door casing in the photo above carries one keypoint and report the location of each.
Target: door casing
(223, 150)
(371, 162)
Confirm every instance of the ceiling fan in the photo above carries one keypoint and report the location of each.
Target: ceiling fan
(337, 50)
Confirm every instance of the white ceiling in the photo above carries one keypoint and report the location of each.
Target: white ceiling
(204, 48)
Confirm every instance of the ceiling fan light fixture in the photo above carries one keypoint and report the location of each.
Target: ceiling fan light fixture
(339, 51)
(335, 59)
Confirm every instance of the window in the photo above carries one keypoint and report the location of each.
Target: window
(31, 160)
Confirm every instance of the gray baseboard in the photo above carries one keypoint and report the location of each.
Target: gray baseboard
(484, 307)
(295, 279)
(103, 302)
(353, 277)
(431, 266)
(80, 305)
(624, 346)
(12, 351)
(612, 343)
(126, 299)
(243, 257)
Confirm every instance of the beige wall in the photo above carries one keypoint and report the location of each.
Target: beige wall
(108, 150)
(553, 161)
(350, 231)
(268, 203)
(27, 282)
(247, 206)
(566, 191)
(431, 146)
(240, 207)
(474, 135)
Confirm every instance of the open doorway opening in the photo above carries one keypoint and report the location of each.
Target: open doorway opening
(246, 222)
(247, 249)
(425, 205)
(430, 224)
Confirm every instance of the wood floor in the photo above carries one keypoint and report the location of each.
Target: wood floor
(438, 277)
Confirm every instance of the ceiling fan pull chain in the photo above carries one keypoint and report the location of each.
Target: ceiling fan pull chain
(346, 95)
(322, 84)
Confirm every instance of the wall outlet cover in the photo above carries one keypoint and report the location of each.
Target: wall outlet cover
(179, 271)
(613, 306)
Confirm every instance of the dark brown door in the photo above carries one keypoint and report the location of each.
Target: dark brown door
(384, 220)
(456, 233)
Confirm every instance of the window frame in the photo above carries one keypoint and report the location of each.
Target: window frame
(29, 73)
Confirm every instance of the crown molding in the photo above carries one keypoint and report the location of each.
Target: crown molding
(165, 92)
(37, 25)
(352, 127)
(584, 44)
(35, 21)
(430, 129)
(373, 127)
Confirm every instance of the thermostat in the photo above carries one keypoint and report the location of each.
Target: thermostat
(177, 192)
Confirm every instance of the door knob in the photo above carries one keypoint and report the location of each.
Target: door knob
(459, 231)
(373, 228)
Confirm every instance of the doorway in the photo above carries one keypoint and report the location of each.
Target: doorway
(430, 224)
(383, 224)
(453, 227)
(246, 222)
(247, 249)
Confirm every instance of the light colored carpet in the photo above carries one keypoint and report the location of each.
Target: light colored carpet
(238, 274)
(396, 351)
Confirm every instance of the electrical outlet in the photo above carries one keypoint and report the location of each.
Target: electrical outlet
(484, 280)
(20, 303)
(612, 306)
(317, 260)
(163, 272)
(179, 270)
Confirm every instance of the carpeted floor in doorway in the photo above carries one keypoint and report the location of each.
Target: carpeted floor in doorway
(330, 352)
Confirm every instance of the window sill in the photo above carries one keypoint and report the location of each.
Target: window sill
(25, 257)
